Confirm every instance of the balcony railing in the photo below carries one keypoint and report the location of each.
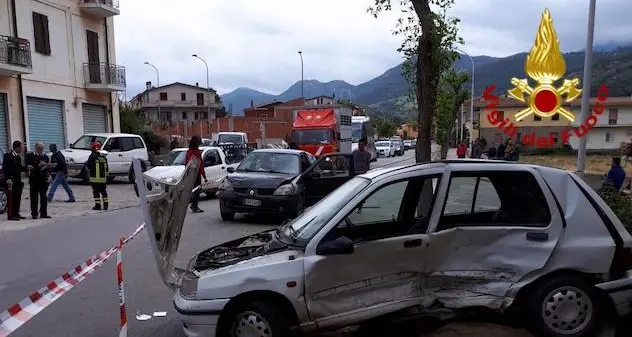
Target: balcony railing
(104, 76)
(15, 51)
(110, 3)
(179, 103)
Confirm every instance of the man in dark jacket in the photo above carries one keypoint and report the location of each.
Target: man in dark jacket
(38, 168)
(60, 169)
(12, 170)
(98, 169)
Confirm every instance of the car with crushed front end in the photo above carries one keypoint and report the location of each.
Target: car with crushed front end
(426, 238)
(281, 182)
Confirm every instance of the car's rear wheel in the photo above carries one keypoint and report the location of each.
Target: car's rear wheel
(226, 213)
(259, 320)
(564, 306)
(4, 200)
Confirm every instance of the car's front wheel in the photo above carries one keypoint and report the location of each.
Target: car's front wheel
(261, 320)
(564, 306)
(226, 213)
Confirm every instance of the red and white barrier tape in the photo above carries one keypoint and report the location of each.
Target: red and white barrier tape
(121, 290)
(19, 313)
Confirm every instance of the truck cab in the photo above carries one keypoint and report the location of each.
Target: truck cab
(322, 130)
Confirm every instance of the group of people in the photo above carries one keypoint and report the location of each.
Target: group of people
(42, 171)
(505, 150)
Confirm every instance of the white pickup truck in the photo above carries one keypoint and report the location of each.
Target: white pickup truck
(215, 160)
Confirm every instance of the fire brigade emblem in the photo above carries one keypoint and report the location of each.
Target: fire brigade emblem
(545, 65)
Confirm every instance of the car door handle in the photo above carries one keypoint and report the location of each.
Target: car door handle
(223, 168)
(412, 243)
(537, 236)
(120, 155)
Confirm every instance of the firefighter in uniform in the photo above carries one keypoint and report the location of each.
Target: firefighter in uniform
(98, 168)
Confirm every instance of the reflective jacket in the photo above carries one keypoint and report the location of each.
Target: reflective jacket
(98, 168)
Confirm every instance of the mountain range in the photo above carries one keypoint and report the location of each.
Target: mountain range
(386, 94)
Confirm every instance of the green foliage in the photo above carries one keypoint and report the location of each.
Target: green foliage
(620, 203)
(133, 122)
(451, 96)
(384, 128)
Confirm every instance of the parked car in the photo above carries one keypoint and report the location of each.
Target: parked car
(121, 149)
(385, 148)
(4, 192)
(504, 236)
(408, 144)
(215, 167)
(281, 182)
(399, 146)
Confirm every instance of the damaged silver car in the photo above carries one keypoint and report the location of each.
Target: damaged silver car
(430, 238)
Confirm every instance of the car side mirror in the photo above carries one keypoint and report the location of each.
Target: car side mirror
(162, 162)
(230, 169)
(341, 245)
(72, 146)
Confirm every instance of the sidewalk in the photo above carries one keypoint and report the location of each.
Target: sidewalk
(121, 196)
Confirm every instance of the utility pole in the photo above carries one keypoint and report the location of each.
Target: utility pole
(300, 54)
(581, 151)
(158, 86)
(208, 88)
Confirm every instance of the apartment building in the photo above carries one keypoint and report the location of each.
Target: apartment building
(58, 71)
(613, 127)
(177, 102)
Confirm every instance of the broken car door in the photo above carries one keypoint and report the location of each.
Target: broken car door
(327, 174)
(381, 272)
(493, 228)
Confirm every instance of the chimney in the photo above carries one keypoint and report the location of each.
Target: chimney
(252, 103)
(197, 84)
(148, 84)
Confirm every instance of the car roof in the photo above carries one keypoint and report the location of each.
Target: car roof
(288, 151)
(106, 135)
(202, 148)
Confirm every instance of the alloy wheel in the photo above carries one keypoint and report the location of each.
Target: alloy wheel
(251, 324)
(567, 310)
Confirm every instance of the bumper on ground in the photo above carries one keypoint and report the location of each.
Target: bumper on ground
(268, 204)
(199, 317)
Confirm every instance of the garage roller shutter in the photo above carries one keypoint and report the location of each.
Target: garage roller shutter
(93, 118)
(4, 132)
(46, 122)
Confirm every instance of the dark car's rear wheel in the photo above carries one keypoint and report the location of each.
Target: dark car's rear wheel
(564, 306)
(4, 200)
(226, 213)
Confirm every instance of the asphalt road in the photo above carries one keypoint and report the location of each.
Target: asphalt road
(32, 257)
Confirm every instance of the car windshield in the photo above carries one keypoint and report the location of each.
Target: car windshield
(383, 144)
(306, 225)
(356, 131)
(176, 158)
(318, 136)
(228, 138)
(272, 162)
(84, 142)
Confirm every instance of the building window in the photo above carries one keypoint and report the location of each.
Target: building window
(200, 98)
(41, 34)
(184, 115)
(613, 115)
(204, 115)
(536, 118)
(165, 116)
(555, 117)
(183, 96)
(163, 96)
(554, 137)
(608, 137)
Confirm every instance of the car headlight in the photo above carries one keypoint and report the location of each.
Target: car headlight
(225, 185)
(287, 189)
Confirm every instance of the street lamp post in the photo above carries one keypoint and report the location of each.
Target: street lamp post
(157, 84)
(208, 86)
(581, 151)
(300, 54)
(472, 96)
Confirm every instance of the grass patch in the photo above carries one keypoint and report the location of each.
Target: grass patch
(595, 164)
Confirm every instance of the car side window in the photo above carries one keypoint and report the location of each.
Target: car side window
(113, 145)
(333, 167)
(211, 158)
(500, 199)
(381, 207)
(305, 164)
(127, 143)
(138, 143)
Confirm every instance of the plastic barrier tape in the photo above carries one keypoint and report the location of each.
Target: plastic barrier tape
(19, 313)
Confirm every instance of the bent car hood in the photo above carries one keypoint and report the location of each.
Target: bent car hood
(164, 172)
(164, 210)
(258, 179)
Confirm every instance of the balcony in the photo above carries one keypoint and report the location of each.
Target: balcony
(100, 8)
(15, 56)
(104, 77)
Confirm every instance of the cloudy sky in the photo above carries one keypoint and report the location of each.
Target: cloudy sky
(254, 43)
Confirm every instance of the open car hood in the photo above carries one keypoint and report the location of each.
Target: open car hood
(164, 209)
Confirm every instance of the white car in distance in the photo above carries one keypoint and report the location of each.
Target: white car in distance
(215, 167)
(385, 148)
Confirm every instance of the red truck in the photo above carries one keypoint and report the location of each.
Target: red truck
(323, 129)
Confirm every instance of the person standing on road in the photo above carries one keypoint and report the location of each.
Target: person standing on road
(60, 170)
(194, 152)
(500, 153)
(509, 150)
(616, 175)
(361, 158)
(461, 150)
(491, 152)
(38, 166)
(12, 169)
(97, 165)
(477, 149)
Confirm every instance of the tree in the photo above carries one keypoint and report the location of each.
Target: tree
(428, 47)
(134, 122)
(384, 128)
(451, 96)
